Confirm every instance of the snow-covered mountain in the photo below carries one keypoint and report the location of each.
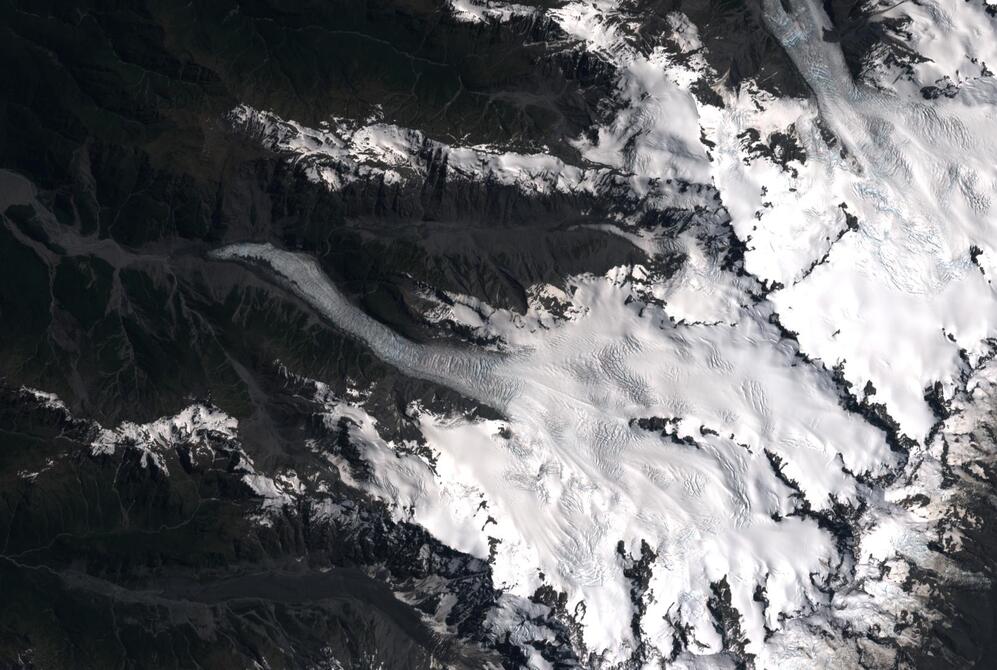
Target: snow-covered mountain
(698, 374)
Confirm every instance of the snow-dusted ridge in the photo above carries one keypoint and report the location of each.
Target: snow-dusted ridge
(341, 152)
(472, 11)
(196, 425)
(201, 432)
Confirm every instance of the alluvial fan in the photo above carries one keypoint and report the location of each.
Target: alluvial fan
(468, 334)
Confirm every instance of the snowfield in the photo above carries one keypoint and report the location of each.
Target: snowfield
(755, 441)
(623, 426)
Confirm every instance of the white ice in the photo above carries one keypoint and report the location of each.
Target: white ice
(567, 473)
(577, 475)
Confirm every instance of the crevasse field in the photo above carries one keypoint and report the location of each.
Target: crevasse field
(769, 430)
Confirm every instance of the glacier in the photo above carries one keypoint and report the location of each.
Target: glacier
(709, 423)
